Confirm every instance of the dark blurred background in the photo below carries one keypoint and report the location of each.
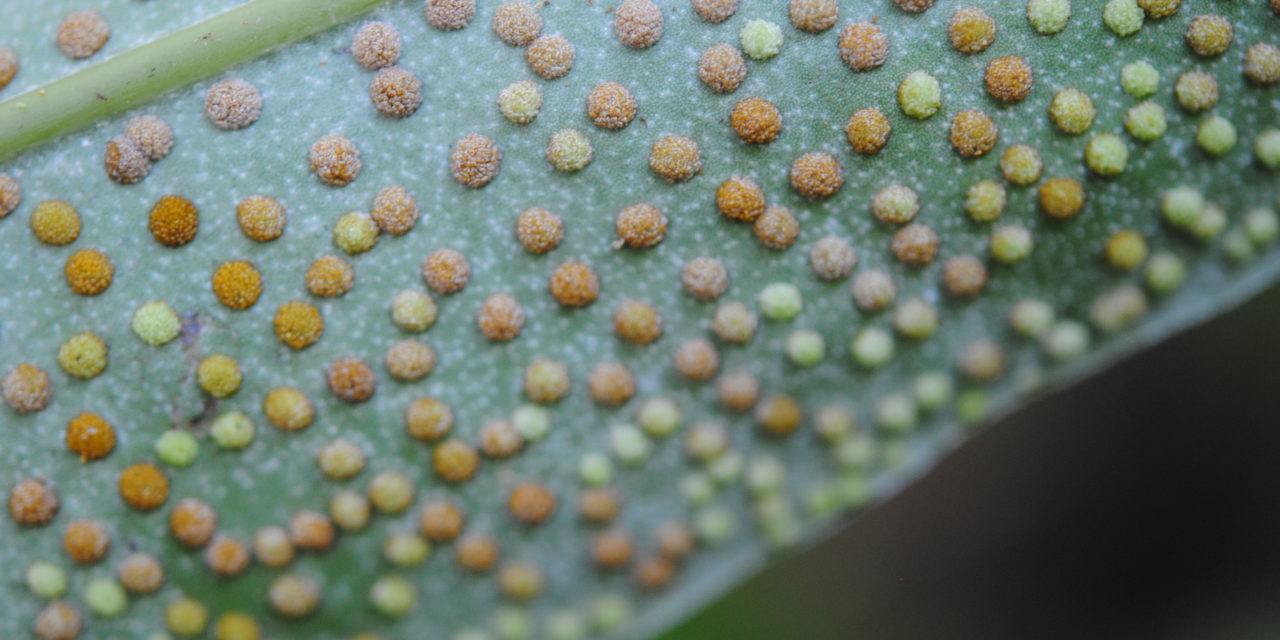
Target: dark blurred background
(1142, 503)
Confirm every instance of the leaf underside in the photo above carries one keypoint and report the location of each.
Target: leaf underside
(314, 88)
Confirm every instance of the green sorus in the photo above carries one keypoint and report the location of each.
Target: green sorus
(1165, 272)
(83, 355)
(1216, 135)
(1182, 206)
(1262, 226)
(915, 318)
(1021, 165)
(1146, 121)
(722, 68)
(395, 92)
(895, 204)
(46, 580)
(1072, 111)
(1066, 340)
(516, 23)
(546, 381)
(1118, 308)
(971, 30)
(550, 56)
(780, 301)
(1106, 155)
(985, 201)
(393, 596)
(638, 23)
(404, 549)
(871, 347)
(1140, 79)
(813, 16)
(376, 45)
(449, 15)
(897, 413)
(1048, 16)
(919, 95)
(232, 104)
(520, 101)
(1031, 317)
(1011, 243)
(155, 323)
(233, 430)
(1196, 91)
(177, 448)
(863, 46)
(391, 491)
(1123, 17)
(340, 459)
(569, 150)
(755, 120)
(832, 258)
(82, 34)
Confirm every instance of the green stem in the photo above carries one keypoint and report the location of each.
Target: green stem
(139, 75)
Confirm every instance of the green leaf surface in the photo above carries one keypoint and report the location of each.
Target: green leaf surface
(314, 88)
